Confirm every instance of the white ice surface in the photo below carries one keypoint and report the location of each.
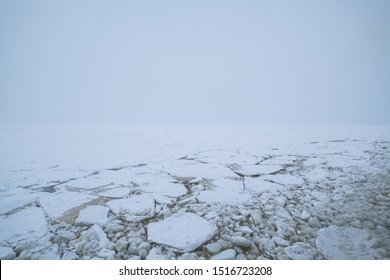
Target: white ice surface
(225, 191)
(164, 189)
(28, 224)
(184, 231)
(93, 214)
(16, 199)
(116, 192)
(260, 169)
(187, 169)
(284, 179)
(259, 185)
(58, 203)
(139, 205)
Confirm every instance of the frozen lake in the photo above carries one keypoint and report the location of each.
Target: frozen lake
(195, 192)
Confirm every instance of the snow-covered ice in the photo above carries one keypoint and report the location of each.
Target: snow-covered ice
(343, 243)
(195, 192)
(184, 231)
(28, 224)
(138, 205)
(225, 191)
(93, 214)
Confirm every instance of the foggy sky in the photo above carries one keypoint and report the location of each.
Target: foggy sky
(185, 62)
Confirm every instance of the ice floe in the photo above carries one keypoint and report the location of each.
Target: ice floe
(93, 214)
(28, 224)
(344, 243)
(185, 231)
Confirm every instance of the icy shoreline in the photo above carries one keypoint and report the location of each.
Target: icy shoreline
(242, 192)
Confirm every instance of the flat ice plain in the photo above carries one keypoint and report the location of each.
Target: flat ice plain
(195, 192)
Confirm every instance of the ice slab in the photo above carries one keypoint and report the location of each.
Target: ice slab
(259, 185)
(256, 170)
(93, 214)
(167, 189)
(284, 179)
(103, 178)
(183, 231)
(28, 224)
(344, 243)
(116, 193)
(225, 191)
(139, 205)
(56, 204)
(188, 170)
(14, 200)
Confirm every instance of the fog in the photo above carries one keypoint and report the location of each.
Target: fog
(189, 62)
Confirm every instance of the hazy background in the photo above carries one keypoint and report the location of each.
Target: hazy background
(197, 61)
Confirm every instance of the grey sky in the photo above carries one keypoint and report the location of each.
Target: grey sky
(195, 61)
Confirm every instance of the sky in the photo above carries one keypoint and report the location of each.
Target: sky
(194, 62)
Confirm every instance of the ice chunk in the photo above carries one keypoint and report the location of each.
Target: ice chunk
(213, 248)
(156, 254)
(92, 240)
(25, 225)
(344, 243)
(7, 253)
(139, 205)
(299, 251)
(229, 254)
(183, 231)
(93, 214)
(316, 175)
(305, 215)
(241, 241)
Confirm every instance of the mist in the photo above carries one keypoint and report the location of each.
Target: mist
(194, 62)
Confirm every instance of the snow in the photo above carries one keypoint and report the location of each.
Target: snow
(241, 192)
(185, 231)
(93, 214)
(28, 224)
